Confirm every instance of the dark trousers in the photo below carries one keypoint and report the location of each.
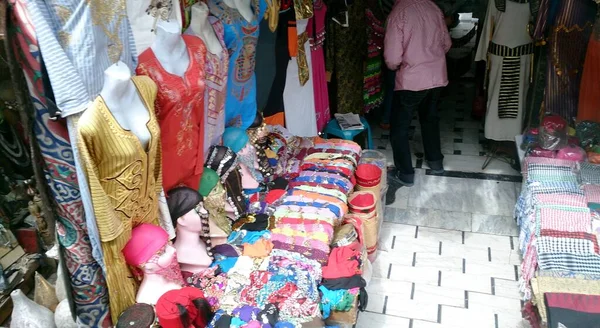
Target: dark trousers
(389, 81)
(405, 103)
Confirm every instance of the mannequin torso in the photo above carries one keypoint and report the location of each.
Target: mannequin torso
(123, 100)
(202, 28)
(191, 251)
(170, 49)
(154, 284)
(243, 7)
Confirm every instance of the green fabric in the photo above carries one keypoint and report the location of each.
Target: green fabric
(208, 181)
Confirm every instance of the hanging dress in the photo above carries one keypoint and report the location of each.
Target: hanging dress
(589, 94)
(180, 111)
(345, 55)
(298, 96)
(373, 81)
(125, 181)
(241, 38)
(274, 111)
(507, 47)
(316, 32)
(568, 25)
(215, 89)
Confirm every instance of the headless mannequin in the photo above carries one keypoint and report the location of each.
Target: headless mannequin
(170, 49)
(123, 100)
(201, 27)
(243, 7)
(248, 181)
(191, 251)
(154, 285)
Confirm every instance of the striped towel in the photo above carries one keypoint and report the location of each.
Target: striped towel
(563, 218)
(592, 193)
(590, 173)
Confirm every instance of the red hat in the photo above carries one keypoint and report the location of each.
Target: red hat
(168, 309)
(368, 175)
(362, 202)
(146, 240)
(193, 294)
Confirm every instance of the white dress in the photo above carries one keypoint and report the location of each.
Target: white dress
(299, 101)
(508, 29)
(143, 23)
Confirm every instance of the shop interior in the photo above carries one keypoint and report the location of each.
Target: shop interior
(229, 163)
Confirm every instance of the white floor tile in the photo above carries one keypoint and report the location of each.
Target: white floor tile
(414, 274)
(464, 281)
(439, 295)
(437, 235)
(466, 318)
(491, 197)
(427, 324)
(490, 269)
(412, 309)
(376, 302)
(507, 288)
(495, 224)
(374, 320)
(440, 262)
(389, 287)
(486, 240)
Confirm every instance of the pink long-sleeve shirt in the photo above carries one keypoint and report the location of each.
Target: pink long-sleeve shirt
(416, 42)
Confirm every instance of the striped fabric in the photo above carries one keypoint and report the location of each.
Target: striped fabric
(590, 173)
(586, 264)
(592, 193)
(548, 245)
(563, 218)
(67, 36)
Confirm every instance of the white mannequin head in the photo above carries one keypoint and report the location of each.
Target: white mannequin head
(191, 220)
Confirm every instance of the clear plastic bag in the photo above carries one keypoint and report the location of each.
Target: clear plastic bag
(553, 132)
(572, 153)
(538, 151)
(588, 133)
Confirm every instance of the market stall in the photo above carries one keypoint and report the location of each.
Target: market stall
(557, 212)
(176, 203)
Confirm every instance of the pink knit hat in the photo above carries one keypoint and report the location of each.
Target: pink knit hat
(146, 240)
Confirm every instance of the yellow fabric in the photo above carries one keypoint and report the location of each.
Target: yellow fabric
(542, 285)
(124, 181)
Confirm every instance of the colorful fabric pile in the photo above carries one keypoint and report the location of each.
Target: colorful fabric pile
(281, 268)
(556, 215)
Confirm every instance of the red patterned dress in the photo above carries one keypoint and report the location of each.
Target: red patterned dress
(180, 111)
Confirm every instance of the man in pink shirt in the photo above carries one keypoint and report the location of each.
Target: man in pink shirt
(416, 42)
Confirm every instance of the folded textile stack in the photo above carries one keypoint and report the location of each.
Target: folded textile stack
(556, 218)
(317, 199)
(274, 255)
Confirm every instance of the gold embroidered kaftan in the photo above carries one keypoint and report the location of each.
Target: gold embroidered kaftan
(125, 181)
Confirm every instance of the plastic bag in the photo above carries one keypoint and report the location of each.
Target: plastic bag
(540, 152)
(572, 153)
(553, 132)
(588, 133)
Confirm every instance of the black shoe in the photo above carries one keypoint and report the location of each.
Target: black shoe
(390, 194)
(393, 177)
(436, 167)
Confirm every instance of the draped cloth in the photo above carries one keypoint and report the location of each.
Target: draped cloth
(86, 280)
(567, 24)
(589, 97)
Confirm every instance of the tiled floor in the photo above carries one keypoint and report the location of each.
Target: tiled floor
(447, 255)
(463, 144)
